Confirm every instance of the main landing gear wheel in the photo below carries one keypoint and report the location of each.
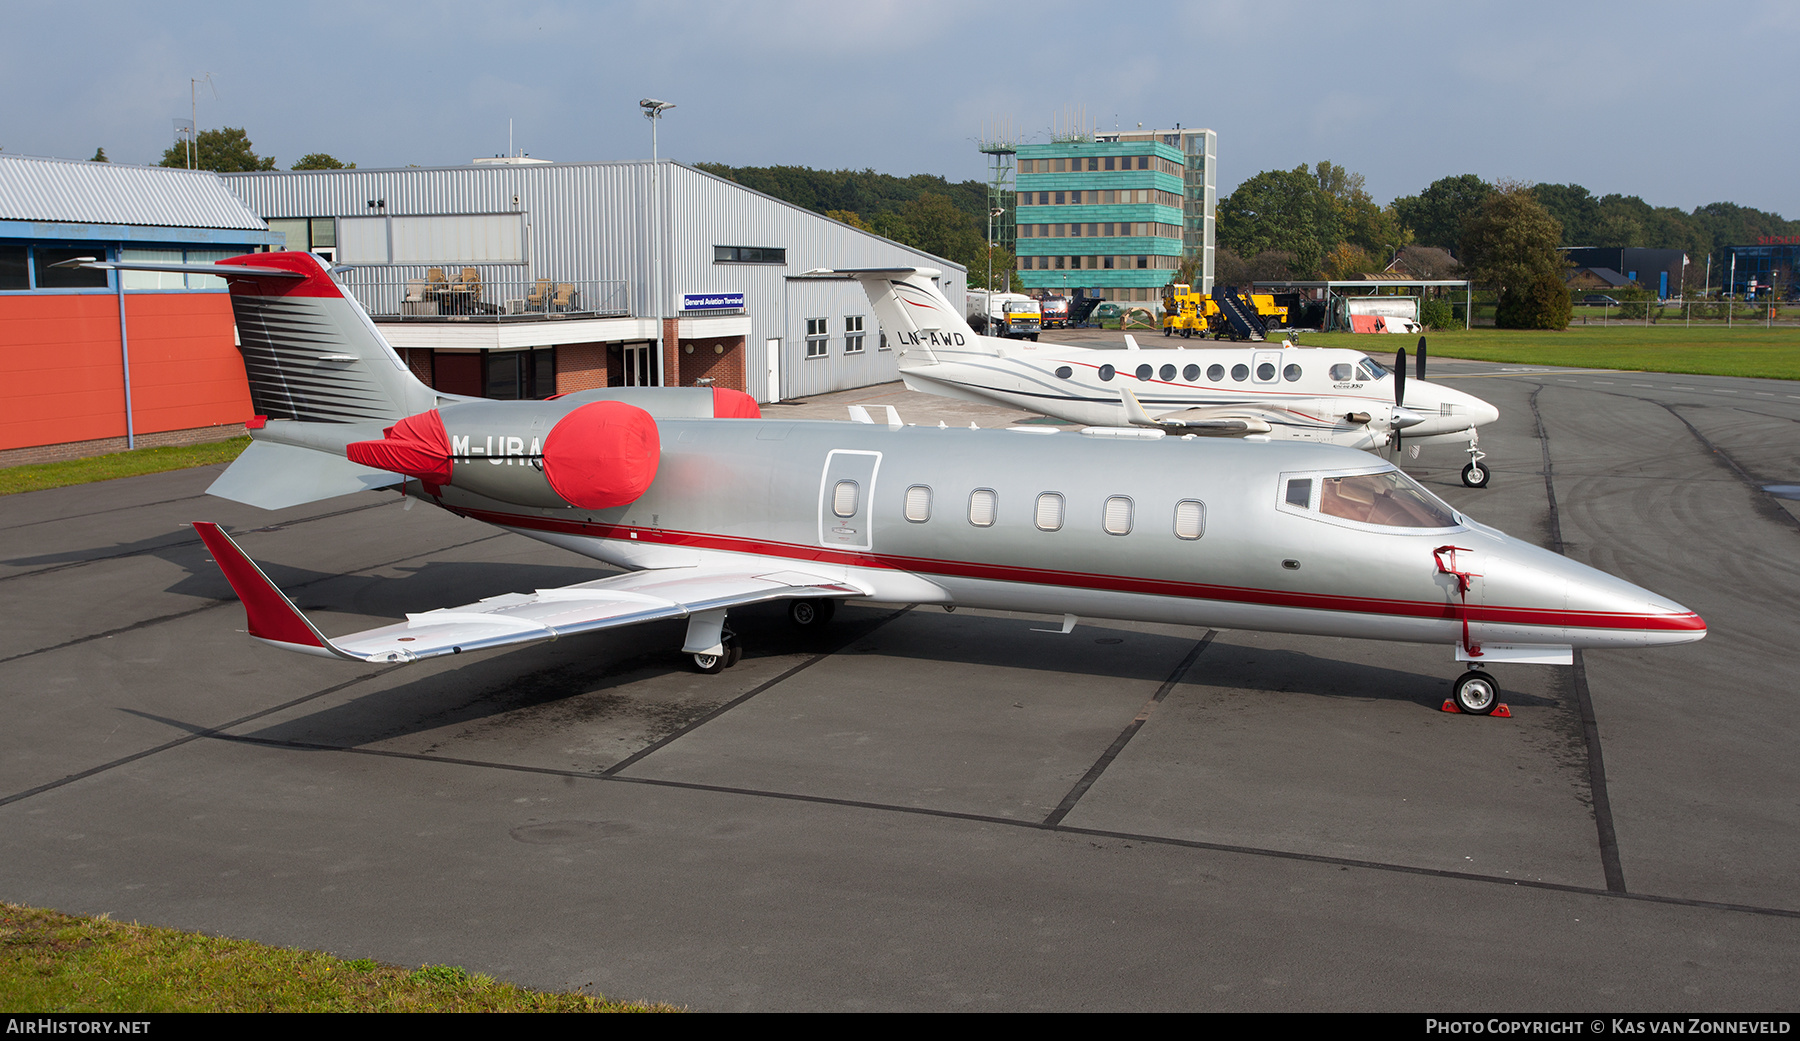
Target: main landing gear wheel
(1476, 476)
(711, 664)
(1476, 693)
(811, 615)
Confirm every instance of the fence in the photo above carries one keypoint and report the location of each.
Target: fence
(473, 298)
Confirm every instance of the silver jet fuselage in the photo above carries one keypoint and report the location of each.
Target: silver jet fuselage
(1202, 532)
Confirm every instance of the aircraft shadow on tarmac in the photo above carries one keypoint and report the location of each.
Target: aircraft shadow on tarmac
(619, 678)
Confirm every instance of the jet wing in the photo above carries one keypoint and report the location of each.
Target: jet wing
(545, 614)
(1207, 422)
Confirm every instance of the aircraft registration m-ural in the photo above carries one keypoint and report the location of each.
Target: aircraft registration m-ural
(1324, 395)
(710, 507)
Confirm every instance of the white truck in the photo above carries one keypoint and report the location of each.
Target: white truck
(1005, 314)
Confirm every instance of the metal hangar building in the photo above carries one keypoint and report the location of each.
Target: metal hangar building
(519, 278)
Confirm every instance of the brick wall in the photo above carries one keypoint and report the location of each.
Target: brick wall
(107, 445)
(720, 357)
(580, 366)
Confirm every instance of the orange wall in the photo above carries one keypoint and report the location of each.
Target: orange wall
(60, 375)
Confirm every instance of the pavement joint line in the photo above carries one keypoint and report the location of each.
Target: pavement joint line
(194, 734)
(191, 539)
(637, 756)
(1765, 502)
(1607, 836)
(1112, 752)
(96, 513)
(1015, 822)
(221, 603)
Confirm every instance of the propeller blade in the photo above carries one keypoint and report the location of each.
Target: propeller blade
(1400, 377)
(1420, 363)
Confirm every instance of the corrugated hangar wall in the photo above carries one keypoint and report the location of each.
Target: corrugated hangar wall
(598, 221)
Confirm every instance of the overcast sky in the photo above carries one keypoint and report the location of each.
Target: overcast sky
(1682, 104)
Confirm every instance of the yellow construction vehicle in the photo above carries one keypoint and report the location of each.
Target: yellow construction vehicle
(1187, 311)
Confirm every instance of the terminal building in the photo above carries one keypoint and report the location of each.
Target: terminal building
(506, 279)
(1113, 214)
(518, 278)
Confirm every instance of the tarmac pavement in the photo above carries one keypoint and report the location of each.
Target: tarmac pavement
(924, 810)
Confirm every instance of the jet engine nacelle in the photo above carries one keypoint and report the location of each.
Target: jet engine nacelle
(588, 451)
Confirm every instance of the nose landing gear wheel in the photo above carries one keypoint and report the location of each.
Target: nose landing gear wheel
(1476, 693)
(1475, 475)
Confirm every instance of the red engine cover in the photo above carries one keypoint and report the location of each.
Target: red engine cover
(603, 454)
(734, 404)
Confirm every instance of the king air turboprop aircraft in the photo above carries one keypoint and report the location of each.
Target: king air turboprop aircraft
(1322, 395)
(710, 507)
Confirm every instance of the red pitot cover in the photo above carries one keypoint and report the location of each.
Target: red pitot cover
(416, 446)
(603, 454)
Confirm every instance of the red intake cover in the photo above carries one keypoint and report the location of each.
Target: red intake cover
(416, 446)
(734, 404)
(603, 454)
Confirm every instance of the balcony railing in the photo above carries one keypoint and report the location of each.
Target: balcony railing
(479, 300)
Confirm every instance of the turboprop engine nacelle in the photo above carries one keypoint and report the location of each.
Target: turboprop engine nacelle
(575, 453)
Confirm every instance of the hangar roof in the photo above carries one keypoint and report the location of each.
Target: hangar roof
(72, 192)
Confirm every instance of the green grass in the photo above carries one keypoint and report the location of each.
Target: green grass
(38, 476)
(52, 962)
(1664, 347)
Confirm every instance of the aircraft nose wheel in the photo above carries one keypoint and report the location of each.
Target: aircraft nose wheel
(1475, 475)
(1476, 693)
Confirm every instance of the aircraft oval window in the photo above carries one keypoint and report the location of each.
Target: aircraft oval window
(1118, 515)
(1291, 373)
(1390, 499)
(1191, 373)
(1265, 372)
(1240, 372)
(1215, 372)
(1063, 372)
(1167, 372)
(1143, 372)
(918, 504)
(1050, 511)
(983, 504)
(1299, 492)
(843, 499)
(1341, 371)
(1190, 519)
(1106, 373)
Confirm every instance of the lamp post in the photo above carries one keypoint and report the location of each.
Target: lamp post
(653, 110)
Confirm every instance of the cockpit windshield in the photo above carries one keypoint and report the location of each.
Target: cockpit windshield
(1375, 369)
(1389, 498)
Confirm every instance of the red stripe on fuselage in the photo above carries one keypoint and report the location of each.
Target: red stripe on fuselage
(1088, 580)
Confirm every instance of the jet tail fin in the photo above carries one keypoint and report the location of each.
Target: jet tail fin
(914, 313)
(310, 350)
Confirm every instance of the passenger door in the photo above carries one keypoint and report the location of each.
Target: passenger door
(846, 498)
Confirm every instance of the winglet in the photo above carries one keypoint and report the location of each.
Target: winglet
(1134, 412)
(272, 616)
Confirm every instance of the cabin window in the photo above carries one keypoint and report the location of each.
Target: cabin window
(1117, 519)
(1192, 373)
(1299, 492)
(1166, 373)
(983, 505)
(1215, 372)
(1341, 372)
(1063, 372)
(1144, 372)
(1190, 519)
(1050, 507)
(1265, 372)
(1291, 373)
(918, 504)
(1240, 372)
(843, 499)
(1106, 373)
